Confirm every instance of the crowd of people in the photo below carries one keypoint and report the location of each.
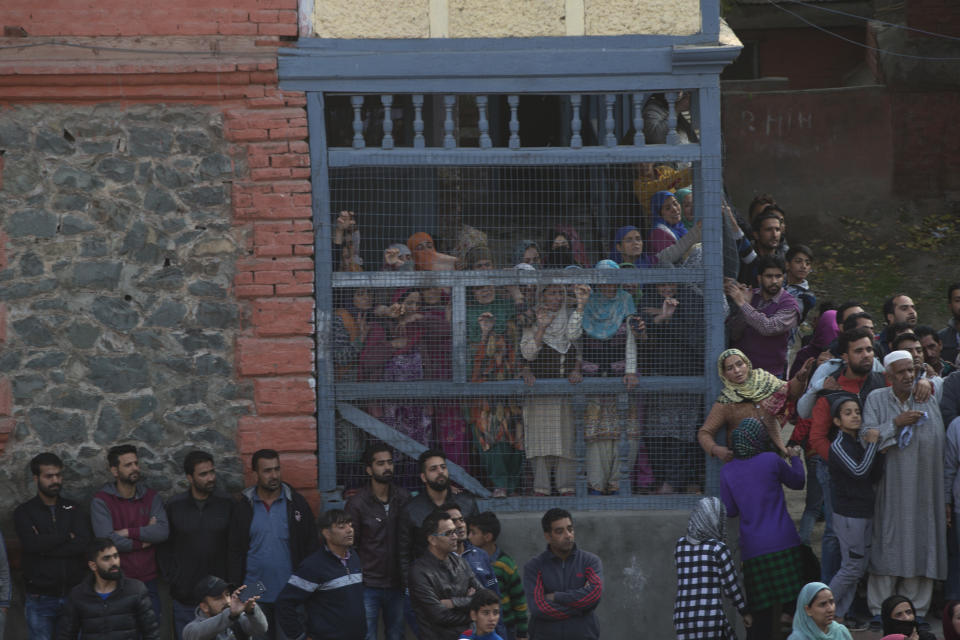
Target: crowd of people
(262, 566)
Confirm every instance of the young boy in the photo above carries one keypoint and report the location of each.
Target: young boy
(799, 265)
(853, 472)
(483, 529)
(485, 613)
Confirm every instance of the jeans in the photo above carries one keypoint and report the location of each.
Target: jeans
(830, 551)
(410, 616)
(813, 503)
(390, 601)
(182, 616)
(42, 613)
(155, 600)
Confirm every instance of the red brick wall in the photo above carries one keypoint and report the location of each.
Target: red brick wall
(151, 18)
(926, 157)
(937, 16)
(810, 58)
(271, 202)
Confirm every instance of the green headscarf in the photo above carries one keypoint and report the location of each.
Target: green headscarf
(758, 385)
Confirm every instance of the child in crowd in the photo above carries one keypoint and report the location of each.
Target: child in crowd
(853, 471)
(799, 265)
(483, 529)
(485, 613)
(705, 573)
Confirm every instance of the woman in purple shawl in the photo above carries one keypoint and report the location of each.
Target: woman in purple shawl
(668, 225)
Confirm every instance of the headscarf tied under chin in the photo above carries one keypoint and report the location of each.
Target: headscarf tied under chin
(804, 628)
(890, 625)
(615, 254)
(758, 386)
(749, 439)
(708, 521)
(656, 204)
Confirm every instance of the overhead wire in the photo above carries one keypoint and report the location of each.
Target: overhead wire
(820, 7)
(861, 44)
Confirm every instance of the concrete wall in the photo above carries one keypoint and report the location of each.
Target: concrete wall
(502, 18)
(830, 148)
(636, 548)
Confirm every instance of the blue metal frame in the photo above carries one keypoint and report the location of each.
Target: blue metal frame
(566, 65)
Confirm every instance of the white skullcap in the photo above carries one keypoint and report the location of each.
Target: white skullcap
(895, 356)
(523, 266)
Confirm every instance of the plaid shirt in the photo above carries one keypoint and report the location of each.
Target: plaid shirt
(705, 573)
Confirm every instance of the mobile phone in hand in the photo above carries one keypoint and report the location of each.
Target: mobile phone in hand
(251, 590)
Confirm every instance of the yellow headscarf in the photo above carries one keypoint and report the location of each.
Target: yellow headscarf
(758, 385)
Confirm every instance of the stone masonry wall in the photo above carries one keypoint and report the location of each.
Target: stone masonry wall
(121, 257)
(156, 256)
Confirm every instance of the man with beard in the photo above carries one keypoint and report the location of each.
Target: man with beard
(222, 615)
(855, 376)
(54, 533)
(898, 308)
(436, 480)
(272, 530)
(107, 605)
(329, 586)
(932, 345)
(375, 512)
(760, 323)
(564, 584)
(950, 335)
(132, 516)
(911, 553)
(199, 520)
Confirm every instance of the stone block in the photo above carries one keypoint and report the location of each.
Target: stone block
(109, 425)
(150, 141)
(26, 386)
(34, 332)
(191, 416)
(82, 335)
(117, 169)
(168, 314)
(57, 427)
(216, 315)
(71, 398)
(72, 225)
(97, 275)
(31, 222)
(46, 360)
(119, 374)
(159, 201)
(31, 265)
(115, 313)
(13, 135)
(135, 408)
(72, 177)
(54, 143)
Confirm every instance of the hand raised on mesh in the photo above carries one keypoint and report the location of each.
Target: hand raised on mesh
(582, 293)
(486, 322)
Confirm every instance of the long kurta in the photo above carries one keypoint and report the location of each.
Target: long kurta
(909, 530)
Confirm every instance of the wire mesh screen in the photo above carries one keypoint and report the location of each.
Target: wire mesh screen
(544, 284)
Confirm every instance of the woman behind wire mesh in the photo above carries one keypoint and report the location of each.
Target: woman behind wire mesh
(496, 422)
(549, 351)
(705, 574)
(610, 332)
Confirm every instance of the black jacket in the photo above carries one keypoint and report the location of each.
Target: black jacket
(433, 580)
(127, 613)
(411, 543)
(54, 543)
(331, 594)
(303, 531)
(376, 538)
(197, 546)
